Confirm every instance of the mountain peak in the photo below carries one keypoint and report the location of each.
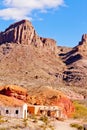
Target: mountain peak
(83, 40)
(21, 32)
(84, 37)
(22, 22)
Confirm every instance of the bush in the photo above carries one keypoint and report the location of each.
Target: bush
(44, 119)
(80, 111)
(79, 127)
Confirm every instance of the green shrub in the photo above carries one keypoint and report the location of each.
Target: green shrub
(25, 122)
(44, 119)
(80, 111)
(79, 127)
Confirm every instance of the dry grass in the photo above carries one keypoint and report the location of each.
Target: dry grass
(80, 111)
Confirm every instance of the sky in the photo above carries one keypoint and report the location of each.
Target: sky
(63, 20)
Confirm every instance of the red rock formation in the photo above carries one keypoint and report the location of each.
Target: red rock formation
(49, 96)
(14, 91)
(10, 101)
(12, 95)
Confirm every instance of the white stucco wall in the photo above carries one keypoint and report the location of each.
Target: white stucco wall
(24, 111)
(12, 111)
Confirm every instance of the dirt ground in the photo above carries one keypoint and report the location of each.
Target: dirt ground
(60, 125)
(34, 124)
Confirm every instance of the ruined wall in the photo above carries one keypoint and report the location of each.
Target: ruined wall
(44, 110)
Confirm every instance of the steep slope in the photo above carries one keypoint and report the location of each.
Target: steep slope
(76, 62)
(27, 59)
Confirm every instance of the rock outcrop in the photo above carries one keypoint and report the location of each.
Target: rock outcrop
(24, 33)
(76, 62)
(84, 39)
(49, 44)
(10, 101)
(27, 59)
(82, 47)
(46, 95)
(13, 95)
(14, 91)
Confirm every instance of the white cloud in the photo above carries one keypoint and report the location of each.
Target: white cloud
(22, 9)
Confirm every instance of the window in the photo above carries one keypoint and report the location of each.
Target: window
(7, 112)
(16, 111)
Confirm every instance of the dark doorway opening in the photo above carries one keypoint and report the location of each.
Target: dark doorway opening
(48, 113)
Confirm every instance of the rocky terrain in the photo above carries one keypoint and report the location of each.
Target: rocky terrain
(12, 95)
(76, 61)
(34, 124)
(29, 60)
(14, 91)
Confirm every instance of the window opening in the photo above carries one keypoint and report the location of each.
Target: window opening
(16, 111)
(7, 112)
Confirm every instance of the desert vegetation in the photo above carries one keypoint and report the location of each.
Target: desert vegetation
(77, 126)
(80, 111)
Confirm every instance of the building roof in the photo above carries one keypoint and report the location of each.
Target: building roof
(10, 101)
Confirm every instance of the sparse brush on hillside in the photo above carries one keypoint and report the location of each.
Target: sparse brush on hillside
(80, 111)
(46, 124)
(77, 126)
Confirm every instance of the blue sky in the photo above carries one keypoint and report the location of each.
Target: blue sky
(63, 20)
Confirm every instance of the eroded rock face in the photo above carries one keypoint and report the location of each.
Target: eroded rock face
(84, 39)
(76, 62)
(14, 91)
(46, 95)
(24, 33)
(21, 32)
(82, 47)
(49, 44)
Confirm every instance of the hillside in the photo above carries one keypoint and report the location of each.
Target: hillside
(12, 95)
(76, 62)
(29, 60)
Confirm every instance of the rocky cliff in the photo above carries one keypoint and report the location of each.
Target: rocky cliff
(14, 91)
(24, 33)
(76, 62)
(21, 32)
(46, 95)
(27, 59)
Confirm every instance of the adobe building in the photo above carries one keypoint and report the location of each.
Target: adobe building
(52, 111)
(12, 107)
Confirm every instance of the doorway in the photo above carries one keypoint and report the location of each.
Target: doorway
(48, 113)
